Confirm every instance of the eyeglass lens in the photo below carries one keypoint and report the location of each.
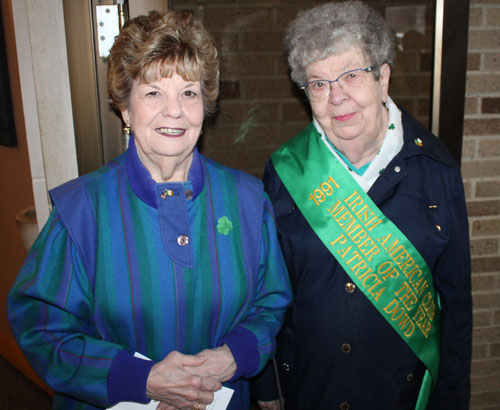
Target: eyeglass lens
(353, 79)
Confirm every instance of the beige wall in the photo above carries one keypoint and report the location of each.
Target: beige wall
(17, 193)
(46, 154)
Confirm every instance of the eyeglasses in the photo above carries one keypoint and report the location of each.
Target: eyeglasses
(318, 90)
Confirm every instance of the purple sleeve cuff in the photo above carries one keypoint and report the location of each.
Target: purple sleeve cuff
(127, 378)
(243, 346)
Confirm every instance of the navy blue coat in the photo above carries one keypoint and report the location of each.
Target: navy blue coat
(335, 350)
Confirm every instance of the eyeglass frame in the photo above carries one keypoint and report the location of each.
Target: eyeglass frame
(330, 82)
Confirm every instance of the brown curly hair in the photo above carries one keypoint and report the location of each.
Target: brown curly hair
(161, 44)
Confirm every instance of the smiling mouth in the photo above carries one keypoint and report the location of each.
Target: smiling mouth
(171, 132)
(344, 117)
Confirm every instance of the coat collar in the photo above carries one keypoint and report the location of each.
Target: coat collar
(146, 188)
(418, 140)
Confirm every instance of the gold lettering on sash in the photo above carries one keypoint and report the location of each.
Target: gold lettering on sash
(355, 200)
(354, 257)
(387, 270)
(335, 209)
(384, 266)
(407, 296)
(319, 195)
(361, 265)
(412, 306)
(413, 288)
(344, 252)
(341, 239)
(362, 213)
(351, 229)
(396, 313)
(429, 305)
(376, 295)
(422, 321)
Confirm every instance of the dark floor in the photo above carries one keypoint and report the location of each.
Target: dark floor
(17, 392)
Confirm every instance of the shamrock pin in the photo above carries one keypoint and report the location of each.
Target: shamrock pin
(392, 126)
(224, 225)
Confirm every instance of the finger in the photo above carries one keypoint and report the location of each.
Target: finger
(208, 384)
(203, 352)
(206, 397)
(164, 406)
(198, 406)
(194, 392)
(184, 359)
(193, 361)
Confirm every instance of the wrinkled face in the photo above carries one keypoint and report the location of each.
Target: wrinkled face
(166, 117)
(354, 113)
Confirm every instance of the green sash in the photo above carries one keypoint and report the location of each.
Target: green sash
(376, 255)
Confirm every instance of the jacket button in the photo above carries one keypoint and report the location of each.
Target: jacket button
(182, 240)
(397, 169)
(346, 348)
(344, 406)
(285, 367)
(438, 228)
(350, 287)
(409, 377)
(189, 194)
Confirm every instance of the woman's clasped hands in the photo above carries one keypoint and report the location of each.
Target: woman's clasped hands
(187, 382)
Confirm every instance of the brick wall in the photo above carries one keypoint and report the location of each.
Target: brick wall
(260, 108)
(481, 171)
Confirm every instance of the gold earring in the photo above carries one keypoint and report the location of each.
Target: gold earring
(127, 129)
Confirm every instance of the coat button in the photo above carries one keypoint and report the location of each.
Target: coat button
(285, 367)
(189, 194)
(346, 348)
(182, 240)
(350, 287)
(409, 377)
(438, 228)
(397, 169)
(344, 406)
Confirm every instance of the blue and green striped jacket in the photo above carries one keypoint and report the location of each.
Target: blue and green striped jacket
(127, 265)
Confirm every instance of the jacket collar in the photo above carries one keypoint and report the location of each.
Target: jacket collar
(418, 140)
(146, 188)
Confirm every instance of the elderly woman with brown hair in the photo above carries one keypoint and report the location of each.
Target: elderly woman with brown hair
(161, 253)
(372, 221)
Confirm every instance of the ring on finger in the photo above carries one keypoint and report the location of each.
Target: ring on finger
(198, 407)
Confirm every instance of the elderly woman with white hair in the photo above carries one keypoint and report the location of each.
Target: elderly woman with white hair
(372, 222)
